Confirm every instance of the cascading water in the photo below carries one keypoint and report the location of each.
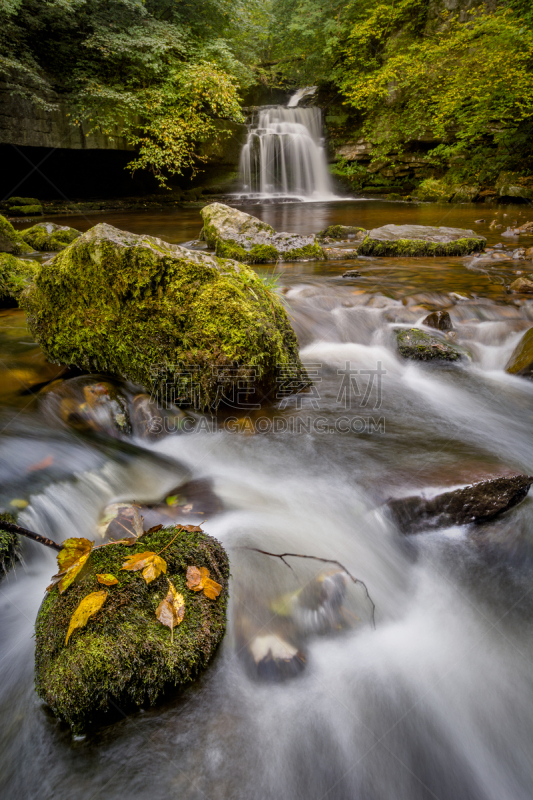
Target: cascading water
(284, 154)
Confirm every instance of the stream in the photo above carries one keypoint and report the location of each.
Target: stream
(437, 700)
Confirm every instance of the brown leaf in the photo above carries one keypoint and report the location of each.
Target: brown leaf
(87, 608)
(171, 610)
(46, 462)
(154, 529)
(150, 563)
(191, 528)
(198, 579)
(107, 579)
(129, 541)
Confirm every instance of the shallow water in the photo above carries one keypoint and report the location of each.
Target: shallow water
(437, 701)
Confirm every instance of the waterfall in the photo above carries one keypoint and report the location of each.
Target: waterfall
(284, 155)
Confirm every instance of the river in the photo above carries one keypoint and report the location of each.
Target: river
(437, 700)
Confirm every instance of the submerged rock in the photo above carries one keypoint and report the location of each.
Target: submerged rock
(191, 326)
(341, 232)
(521, 361)
(440, 320)
(10, 240)
(524, 285)
(49, 237)
(15, 275)
(420, 240)
(351, 273)
(234, 234)
(416, 344)
(476, 503)
(124, 656)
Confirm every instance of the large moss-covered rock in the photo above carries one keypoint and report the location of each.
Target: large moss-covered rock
(234, 234)
(420, 346)
(15, 275)
(26, 211)
(191, 325)
(521, 361)
(421, 240)
(49, 237)
(10, 240)
(125, 657)
(432, 190)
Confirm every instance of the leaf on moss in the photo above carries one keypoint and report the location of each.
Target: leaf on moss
(191, 528)
(70, 560)
(107, 579)
(151, 564)
(87, 608)
(198, 579)
(171, 610)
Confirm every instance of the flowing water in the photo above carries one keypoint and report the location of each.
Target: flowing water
(437, 700)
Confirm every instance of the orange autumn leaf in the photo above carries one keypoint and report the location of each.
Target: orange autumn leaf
(107, 579)
(86, 609)
(171, 610)
(198, 579)
(151, 564)
(46, 462)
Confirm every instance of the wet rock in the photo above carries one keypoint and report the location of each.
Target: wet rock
(420, 240)
(15, 275)
(237, 235)
(338, 253)
(271, 656)
(9, 546)
(521, 361)
(522, 285)
(529, 252)
(479, 221)
(478, 502)
(10, 240)
(189, 326)
(466, 194)
(49, 237)
(86, 403)
(439, 320)
(190, 502)
(341, 232)
(351, 273)
(124, 656)
(420, 346)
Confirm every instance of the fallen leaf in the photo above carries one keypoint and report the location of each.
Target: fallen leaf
(191, 528)
(198, 579)
(154, 529)
(87, 608)
(19, 503)
(46, 462)
(107, 579)
(70, 559)
(129, 541)
(171, 610)
(150, 563)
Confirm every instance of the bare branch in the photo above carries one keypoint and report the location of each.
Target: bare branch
(12, 528)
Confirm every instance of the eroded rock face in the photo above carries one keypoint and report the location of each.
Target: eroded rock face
(190, 326)
(421, 240)
(124, 656)
(10, 240)
(479, 502)
(521, 361)
(420, 346)
(49, 237)
(15, 275)
(237, 235)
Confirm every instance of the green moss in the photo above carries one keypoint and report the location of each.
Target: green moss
(26, 211)
(308, 251)
(9, 546)
(146, 311)
(124, 657)
(418, 247)
(40, 239)
(23, 201)
(15, 275)
(10, 240)
(521, 361)
(339, 232)
(420, 346)
(264, 253)
(433, 190)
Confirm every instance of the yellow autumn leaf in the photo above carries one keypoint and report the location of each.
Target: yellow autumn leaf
(70, 559)
(212, 589)
(107, 579)
(151, 564)
(171, 610)
(198, 579)
(86, 609)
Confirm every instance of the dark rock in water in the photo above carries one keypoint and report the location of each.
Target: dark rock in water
(521, 361)
(421, 240)
(439, 320)
(351, 273)
(414, 343)
(272, 653)
(124, 656)
(476, 503)
(340, 232)
(87, 403)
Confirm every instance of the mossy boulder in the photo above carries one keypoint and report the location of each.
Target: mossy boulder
(26, 211)
(421, 240)
(49, 237)
(164, 317)
(432, 190)
(124, 657)
(22, 201)
(9, 546)
(521, 361)
(420, 346)
(15, 275)
(340, 232)
(234, 234)
(10, 240)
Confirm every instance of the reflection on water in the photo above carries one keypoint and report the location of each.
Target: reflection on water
(437, 701)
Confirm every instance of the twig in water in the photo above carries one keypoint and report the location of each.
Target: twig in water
(12, 528)
(283, 556)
